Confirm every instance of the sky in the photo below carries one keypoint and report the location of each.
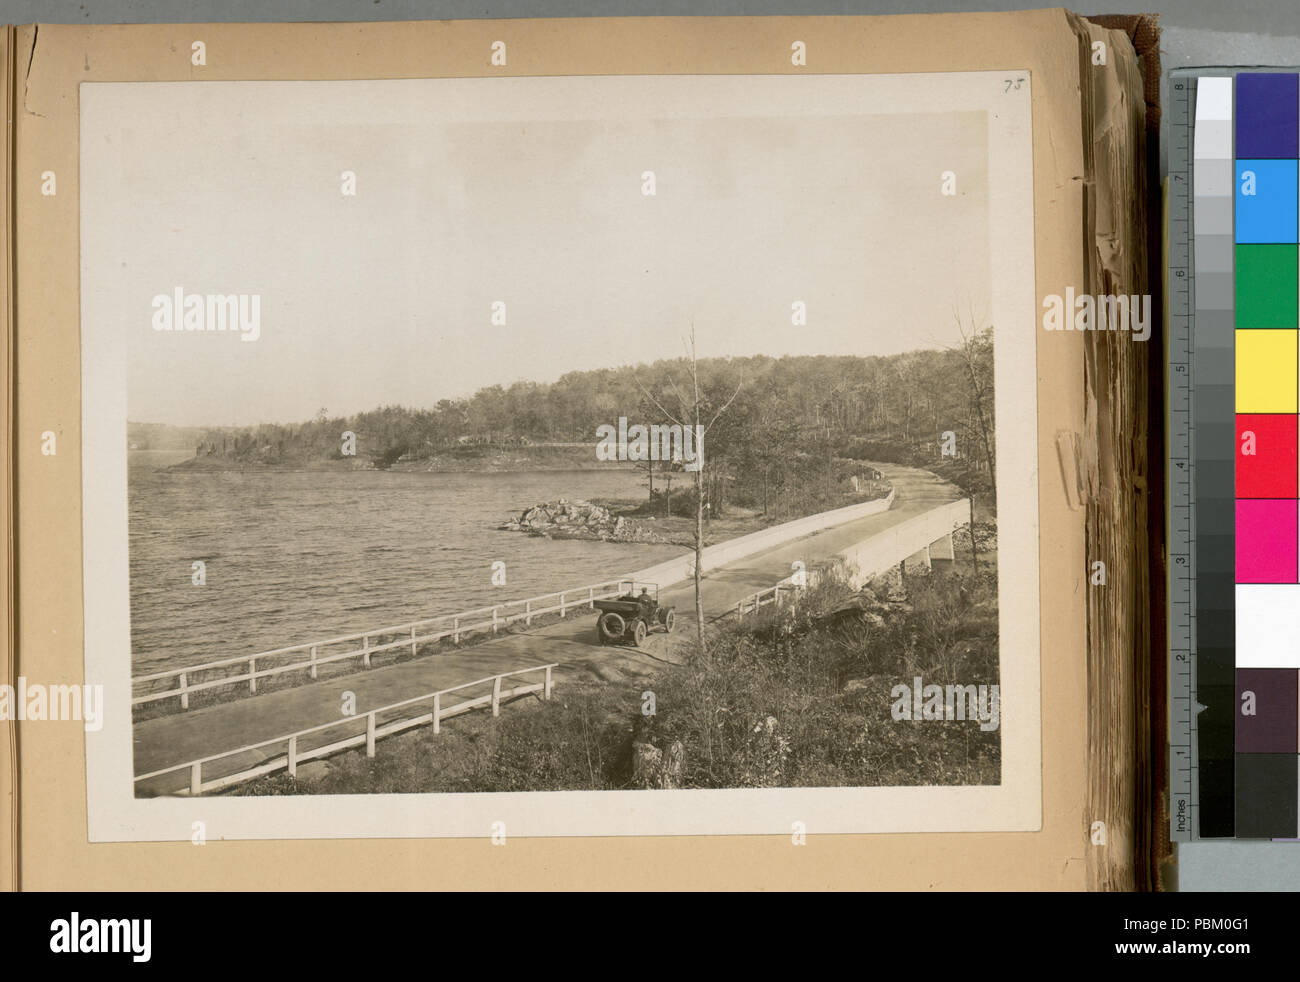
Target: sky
(769, 190)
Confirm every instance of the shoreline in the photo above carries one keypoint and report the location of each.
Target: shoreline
(331, 467)
(469, 459)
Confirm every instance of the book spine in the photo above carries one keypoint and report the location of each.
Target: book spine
(9, 813)
(1116, 467)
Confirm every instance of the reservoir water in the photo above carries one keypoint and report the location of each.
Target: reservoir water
(293, 557)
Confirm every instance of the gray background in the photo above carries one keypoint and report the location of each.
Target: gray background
(1196, 32)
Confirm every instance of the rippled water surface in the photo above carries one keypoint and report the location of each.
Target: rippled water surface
(296, 556)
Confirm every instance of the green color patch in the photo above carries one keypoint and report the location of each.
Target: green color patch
(1266, 286)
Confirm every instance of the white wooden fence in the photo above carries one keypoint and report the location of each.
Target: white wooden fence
(310, 655)
(373, 728)
(244, 669)
(774, 594)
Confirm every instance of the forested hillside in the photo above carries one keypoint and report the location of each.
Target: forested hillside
(793, 426)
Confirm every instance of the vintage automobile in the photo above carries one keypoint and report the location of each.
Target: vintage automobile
(627, 619)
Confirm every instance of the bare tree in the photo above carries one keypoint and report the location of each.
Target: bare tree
(690, 415)
(974, 344)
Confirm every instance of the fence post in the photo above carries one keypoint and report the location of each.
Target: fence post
(494, 620)
(437, 712)
(778, 594)
(528, 612)
(293, 756)
(455, 630)
(252, 675)
(974, 561)
(561, 604)
(185, 695)
(415, 649)
(591, 597)
(313, 661)
(496, 696)
(546, 692)
(196, 777)
(365, 651)
(370, 734)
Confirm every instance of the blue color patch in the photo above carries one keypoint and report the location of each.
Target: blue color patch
(1266, 115)
(1266, 201)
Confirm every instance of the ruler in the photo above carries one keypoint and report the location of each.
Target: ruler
(1180, 515)
(1208, 785)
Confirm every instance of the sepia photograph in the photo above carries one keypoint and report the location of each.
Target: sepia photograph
(541, 441)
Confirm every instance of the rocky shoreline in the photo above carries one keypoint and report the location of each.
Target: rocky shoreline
(565, 519)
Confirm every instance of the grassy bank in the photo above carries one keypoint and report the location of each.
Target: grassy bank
(791, 698)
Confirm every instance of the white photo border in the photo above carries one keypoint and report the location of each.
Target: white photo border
(115, 814)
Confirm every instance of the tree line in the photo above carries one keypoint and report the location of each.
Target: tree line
(793, 425)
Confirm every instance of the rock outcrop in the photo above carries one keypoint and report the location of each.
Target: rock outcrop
(566, 519)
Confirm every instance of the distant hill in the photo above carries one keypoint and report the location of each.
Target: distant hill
(458, 459)
(793, 427)
(161, 436)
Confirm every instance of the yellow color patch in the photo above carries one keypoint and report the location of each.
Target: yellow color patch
(1266, 371)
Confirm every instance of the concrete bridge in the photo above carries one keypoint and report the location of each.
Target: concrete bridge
(920, 499)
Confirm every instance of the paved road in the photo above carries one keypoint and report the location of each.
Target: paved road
(171, 740)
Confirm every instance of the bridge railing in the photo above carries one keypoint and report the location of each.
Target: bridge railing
(309, 656)
(777, 594)
(312, 743)
(872, 556)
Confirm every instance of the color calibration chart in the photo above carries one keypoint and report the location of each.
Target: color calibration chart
(1235, 444)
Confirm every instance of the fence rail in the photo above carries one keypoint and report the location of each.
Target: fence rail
(374, 729)
(244, 669)
(773, 594)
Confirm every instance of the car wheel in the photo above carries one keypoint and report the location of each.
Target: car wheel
(638, 632)
(611, 626)
(669, 618)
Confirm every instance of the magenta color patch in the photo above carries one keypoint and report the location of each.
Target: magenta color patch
(1266, 540)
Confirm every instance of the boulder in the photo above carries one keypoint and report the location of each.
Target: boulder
(565, 519)
(652, 768)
